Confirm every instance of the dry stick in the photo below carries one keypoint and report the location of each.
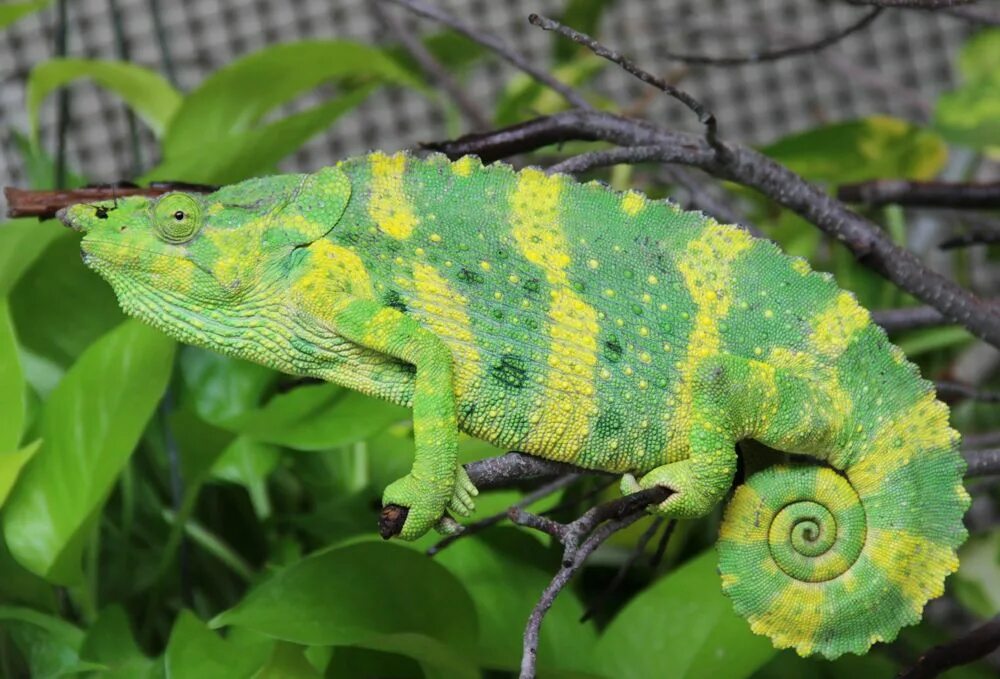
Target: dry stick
(909, 318)
(976, 236)
(497, 46)
(979, 642)
(580, 539)
(913, 4)
(44, 204)
(774, 55)
(960, 195)
(981, 440)
(705, 117)
(435, 72)
(976, 14)
(983, 462)
(964, 391)
(529, 499)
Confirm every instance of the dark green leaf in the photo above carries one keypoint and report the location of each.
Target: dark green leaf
(90, 426)
(221, 388)
(22, 241)
(49, 645)
(375, 595)
(109, 643)
(248, 463)
(12, 403)
(878, 147)
(685, 622)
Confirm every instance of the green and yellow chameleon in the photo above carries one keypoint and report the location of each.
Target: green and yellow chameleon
(584, 325)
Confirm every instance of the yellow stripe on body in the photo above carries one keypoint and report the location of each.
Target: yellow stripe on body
(331, 268)
(793, 615)
(913, 563)
(445, 313)
(388, 205)
(706, 266)
(561, 424)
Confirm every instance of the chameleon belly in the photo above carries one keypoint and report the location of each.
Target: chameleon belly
(590, 326)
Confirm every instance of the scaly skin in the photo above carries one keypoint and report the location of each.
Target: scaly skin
(582, 325)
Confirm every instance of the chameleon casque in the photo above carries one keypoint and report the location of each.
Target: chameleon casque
(585, 325)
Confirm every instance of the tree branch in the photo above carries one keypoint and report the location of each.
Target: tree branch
(961, 195)
(966, 649)
(982, 462)
(496, 45)
(44, 204)
(912, 4)
(648, 143)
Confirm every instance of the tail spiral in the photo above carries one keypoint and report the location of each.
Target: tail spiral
(831, 562)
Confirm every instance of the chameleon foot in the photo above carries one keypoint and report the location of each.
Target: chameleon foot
(690, 498)
(463, 501)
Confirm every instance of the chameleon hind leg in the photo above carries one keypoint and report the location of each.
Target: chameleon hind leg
(700, 480)
(436, 482)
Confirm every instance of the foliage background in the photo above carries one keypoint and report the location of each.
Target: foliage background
(169, 512)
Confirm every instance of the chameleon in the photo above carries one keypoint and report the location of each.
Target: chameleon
(589, 326)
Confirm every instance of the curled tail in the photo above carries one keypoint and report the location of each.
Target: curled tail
(831, 559)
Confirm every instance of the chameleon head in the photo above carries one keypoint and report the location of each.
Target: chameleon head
(202, 268)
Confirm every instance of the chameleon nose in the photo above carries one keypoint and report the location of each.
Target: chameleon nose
(65, 215)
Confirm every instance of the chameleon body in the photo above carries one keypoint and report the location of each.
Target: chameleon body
(584, 325)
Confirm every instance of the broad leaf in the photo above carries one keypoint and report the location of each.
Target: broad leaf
(684, 622)
(109, 642)
(878, 147)
(196, 652)
(12, 11)
(49, 644)
(232, 101)
(22, 241)
(90, 425)
(12, 403)
(147, 93)
(373, 595)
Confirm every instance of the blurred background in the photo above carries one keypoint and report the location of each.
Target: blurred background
(897, 66)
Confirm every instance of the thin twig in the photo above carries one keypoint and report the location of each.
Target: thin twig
(982, 462)
(959, 195)
(44, 204)
(647, 143)
(661, 546)
(909, 318)
(534, 496)
(985, 16)
(432, 68)
(913, 4)
(982, 235)
(964, 391)
(979, 642)
(623, 570)
(775, 55)
(705, 117)
(496, 45)
(985, 439)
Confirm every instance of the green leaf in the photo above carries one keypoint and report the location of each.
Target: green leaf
(700, 635)
(148, 94)
(525, 95)
(221, 388)
(970, 115)
(109, 642)
(21, 243)
(231, 101)
(12, 11)
(59, 306)
(12, 402)
(196, 652)
(374, 595)
(49, 645)
(316, 417)
(248, 463)
(11, 465)
(878, 147)
(503, 572)
(40, 168)
(232, 158)
(288, 661)
(980, 55)
(90, 425)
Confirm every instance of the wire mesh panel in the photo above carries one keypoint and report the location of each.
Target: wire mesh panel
(896, 65)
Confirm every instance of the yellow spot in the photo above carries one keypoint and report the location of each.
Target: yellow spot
(419, 252)
(608, 292)
(643, 331)
(445, 312)
(592, 263)
(388, 205)
(801, 266)
(768, 313)
(645, 357)
(572, 327)
(463, 166)
(835, 327)
(652, 280)
(514, 279)
(632, 203)
(435, 238)
(485, 265)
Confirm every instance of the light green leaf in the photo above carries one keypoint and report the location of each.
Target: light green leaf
(12, 403)
(221, 388)
(12, 11)
(232, 101)
(288, 661)
(196, 652)
(21, 243)
(878, 147)
(40, 168)
(109, 643)
(697, 635)
(316, 417)
(231, 158)
(970, 115)
(90, 425)
(148, 94)
(382, 596)
(980, 55)
(526, 96)
(11, 465)
(248, 463)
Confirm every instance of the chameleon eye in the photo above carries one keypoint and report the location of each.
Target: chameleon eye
(177, 217)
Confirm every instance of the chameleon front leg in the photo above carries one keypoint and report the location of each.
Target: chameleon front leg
(436, 481)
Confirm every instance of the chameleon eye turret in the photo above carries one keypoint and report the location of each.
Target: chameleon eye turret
(576, 323)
